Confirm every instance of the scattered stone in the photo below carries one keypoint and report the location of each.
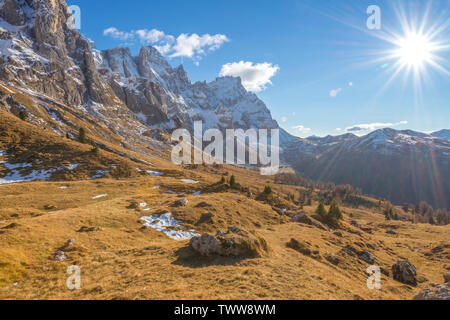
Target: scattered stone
(238, 244)
(302, 218)
(355, 223)
(60, 256)
(298, 246)
(206, 218)
(404, 272)
(366, 256)
(447, 277)
(333, 259)
(206, 245)
(67, 246)
(233, 229)
(338, 233)
(391, 232)
(305, 219)
(88, 229)
(10, 226)
(49, 207)
(204, 205)
(181, 203)
(435, 292)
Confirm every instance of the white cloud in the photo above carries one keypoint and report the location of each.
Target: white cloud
(302, 129)
(153, 36)
(255, 77)
(191, 46)
(118, 35)
(284, 119)
(195, 46)
(373, 126)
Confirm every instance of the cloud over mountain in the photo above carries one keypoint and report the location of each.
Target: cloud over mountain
(192, 46)
(373, 126)
(255, 77)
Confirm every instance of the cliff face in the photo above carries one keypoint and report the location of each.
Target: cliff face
(41, 51)
(164, 96)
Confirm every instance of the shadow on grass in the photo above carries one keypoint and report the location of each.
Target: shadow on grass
(187, 257)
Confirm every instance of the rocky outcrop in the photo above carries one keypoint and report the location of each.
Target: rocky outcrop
(405, 272)
(447, 277)
(237, 243)
(435, 292)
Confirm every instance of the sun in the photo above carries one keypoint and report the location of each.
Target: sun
(415, 50)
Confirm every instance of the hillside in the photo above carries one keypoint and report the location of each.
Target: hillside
(121, 258)
(86, 181)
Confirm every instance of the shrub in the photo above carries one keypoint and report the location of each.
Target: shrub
(334, 213)
(321, 211)
(82, 135)
(23, 115)
(232, 181)
(268, 190)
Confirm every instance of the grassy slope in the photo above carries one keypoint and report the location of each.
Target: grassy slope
(122, 260)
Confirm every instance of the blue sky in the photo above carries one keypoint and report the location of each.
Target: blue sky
(327, 70)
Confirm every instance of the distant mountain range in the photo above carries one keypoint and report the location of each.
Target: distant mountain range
(40, 55)
(444, 134)
(403, 166)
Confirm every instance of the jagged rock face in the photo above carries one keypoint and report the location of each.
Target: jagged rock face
(164, 96)
(40, 51)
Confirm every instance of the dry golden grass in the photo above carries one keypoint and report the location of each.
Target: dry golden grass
(122, 260)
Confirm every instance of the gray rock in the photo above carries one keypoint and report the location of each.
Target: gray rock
(435, 292)
(366, 256)
(67, 246)
(181, 203)
(204, 205)
(405, 272)
(355, 223)
(447, 278)
(206, 245)
(60, 256)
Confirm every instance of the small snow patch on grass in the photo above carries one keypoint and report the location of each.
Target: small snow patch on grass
(99, 196)
(155, 173)
(189, 181)
(166, 224)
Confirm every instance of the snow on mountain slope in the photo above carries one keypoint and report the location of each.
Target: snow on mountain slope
(147, 82)
(443, 134)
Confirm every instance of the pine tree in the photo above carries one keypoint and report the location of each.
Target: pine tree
(321, 209)
(232, 181)
(82, 136)
(222, 180)
(334, 213)
(267, 190)
(23, 115)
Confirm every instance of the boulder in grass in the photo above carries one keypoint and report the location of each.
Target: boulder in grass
(435, 292)
(230, 244)
(206, 245)
(181, 203)
(60, 256)
(447, 278)
(405, 272)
